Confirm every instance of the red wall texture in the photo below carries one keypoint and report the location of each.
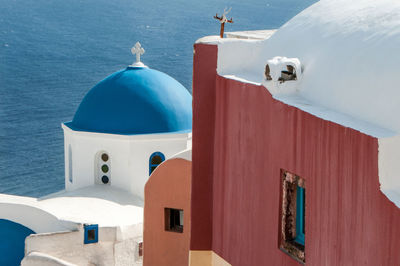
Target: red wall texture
(204, 75)
(348, 219)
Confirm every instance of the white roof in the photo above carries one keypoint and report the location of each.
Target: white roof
(349, 51)
(250, 34)
(98, 204)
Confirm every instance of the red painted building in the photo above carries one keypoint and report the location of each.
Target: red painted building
(253, 152)
(237, 164)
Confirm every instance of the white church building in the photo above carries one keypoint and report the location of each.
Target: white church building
(125, 126)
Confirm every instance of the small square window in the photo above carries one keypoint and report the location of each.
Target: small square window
(91, 234)
(293, 208)
(140, 249)
(173, 220)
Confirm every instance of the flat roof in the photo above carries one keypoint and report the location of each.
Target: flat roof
(98, 204)
(250, 34)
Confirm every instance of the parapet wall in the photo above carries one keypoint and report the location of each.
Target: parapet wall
(22, 210)
(114, 247)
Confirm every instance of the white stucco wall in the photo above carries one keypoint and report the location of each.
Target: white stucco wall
(57, 221)
(186, 154)
(389, 167)
(115, 247)
(128, 157)
(42, 259)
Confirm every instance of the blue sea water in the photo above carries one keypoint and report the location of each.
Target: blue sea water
(53, 51)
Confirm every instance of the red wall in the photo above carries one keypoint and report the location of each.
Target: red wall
(204, 75)
(348, 220)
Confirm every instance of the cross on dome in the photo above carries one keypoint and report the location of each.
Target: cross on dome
(138, 51)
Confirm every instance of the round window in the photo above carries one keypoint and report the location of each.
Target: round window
(104, 157)
(105, 179)
(104, 168)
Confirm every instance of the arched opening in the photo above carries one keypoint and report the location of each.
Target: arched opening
(268, 73)
(12, 244)
(103, 168)
(288, 74)
(155, 159)
(70, 177)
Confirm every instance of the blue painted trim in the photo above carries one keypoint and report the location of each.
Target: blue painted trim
(157, 153)
(94, 227)
(300, 204)
(12, 242)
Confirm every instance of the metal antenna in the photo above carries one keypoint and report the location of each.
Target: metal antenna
(222, 19)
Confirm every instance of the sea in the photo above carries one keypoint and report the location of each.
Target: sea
(53, 51)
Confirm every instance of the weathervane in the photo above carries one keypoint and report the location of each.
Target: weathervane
(138, 51)
(223, 20)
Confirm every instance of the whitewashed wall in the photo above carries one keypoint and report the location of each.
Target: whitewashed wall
(128, 157)
(114, 247)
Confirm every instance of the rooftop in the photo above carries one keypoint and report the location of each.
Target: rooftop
(349, 54)
(103, 205)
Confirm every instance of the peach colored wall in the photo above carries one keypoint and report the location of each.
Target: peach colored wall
(168, 187)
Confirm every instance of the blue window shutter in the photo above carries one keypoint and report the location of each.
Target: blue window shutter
(300, 215)
(91, 234)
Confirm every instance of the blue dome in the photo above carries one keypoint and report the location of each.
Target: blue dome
(136, 100)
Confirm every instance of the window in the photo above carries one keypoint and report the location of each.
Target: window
(289, 74)
(140, 249)
(173, 220)
(70, 177)
(268, 73)
(91, 234)
(103, 165)
(300, 217)
(285, 75)
(155, 159)
(293, 210)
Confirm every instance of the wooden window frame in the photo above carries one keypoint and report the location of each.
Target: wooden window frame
(292, 215)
